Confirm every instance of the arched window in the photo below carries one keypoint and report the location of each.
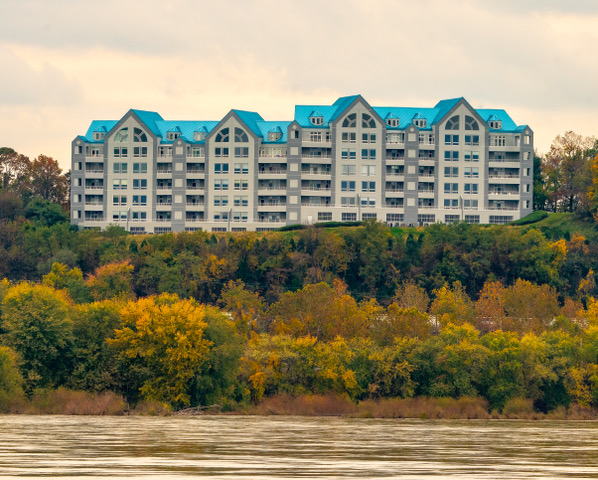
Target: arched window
(316, 118)
(198, 136)
(139, 135)
(392, 121)
(122, 135)
(240, 135)
(452, 123)
(222, 136)
(470, 123)
(350, 121)
(495, 124)
(367, 121)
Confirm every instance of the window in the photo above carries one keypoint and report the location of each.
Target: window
(119, 215)
(198, 136)
(348, 137)
(240, 217)
(122, 135)
(470, 156)
(367, 201)
(368, 154)
(172, 135)
(318, 137)
(139, 135)
(97, 136)
(347, 201)
(140, 168)
(240, 135)
(470, 123)
(240, 185)
(470, 204)
(451, 139)
(472, 172)
(221, 168)
(498, 140)
(274, 136)
(220, 184)
(348, 154)
(120, 184)
(526, 139)
(165, 152)
(324, 216)
(349, 217)
(222, 136)
(452, 123)
(368, 186)
(350, 121)
(495, 124)
(395, 138)
(451, 218)
(451, 155)
(316, 118)
(500, 219)
(347, 186)
(426, 218)
(120, 168)
(368, 170)
(368, 138)
(140, 200)
(241, 152)
(221, 152)
(426, 139)
(451, 171)
(472, 218)
(392, 122)
(471, 189)
(241, 168)
(451, 203)
(395, 217)
(140, 184)
(220, 200)
(526, 188)
(472, 139)
(451, 188)
(121, 152)
(240, 201)
(119, 200)
(140, 151)
(527, 172)
(420, 122)
(369, 216)
(367, 121)
(347, 169)
(139, 215)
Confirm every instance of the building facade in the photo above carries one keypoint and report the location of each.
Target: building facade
(342, 162)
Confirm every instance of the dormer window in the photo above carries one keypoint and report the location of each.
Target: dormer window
(392, 121)
(173, 135)
(199, 136)
(274, 134)
(98, 135)
(419, 120)
(316, 118)
(495, 124)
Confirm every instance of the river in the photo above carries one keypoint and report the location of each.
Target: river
(233, 447)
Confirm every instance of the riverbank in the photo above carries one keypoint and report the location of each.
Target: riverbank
(69, 402)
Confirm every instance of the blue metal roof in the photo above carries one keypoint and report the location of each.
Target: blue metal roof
(99, 126)
(267, 127)
(250, 119)
(186, 127)
(508, 125)
(149, 119)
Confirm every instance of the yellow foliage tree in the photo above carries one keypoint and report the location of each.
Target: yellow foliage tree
(164, 335)
(452, 305)
(114, 280)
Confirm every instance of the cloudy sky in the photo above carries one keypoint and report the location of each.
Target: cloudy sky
(67, 62)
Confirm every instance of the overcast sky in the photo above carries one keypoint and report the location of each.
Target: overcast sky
(67, 62)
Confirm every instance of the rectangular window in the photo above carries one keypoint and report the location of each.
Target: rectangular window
(221, 152)
(220, 184)
(139, 215)
(347, 186)
(368, 186)
(240, 201)
(241, 152)
(220, 200)
(499, 140)
(348, 154)
(368, 138)
(140, 168)
(451, 188)
(349, 217)
(240, 185)
(140, 200)
(324, 216)
(221, 168)
(426, 218)
(119, 200)
(315, 136)
(472, 139)
(451, 203)
(121, 151)
(241, 168)
(395, 138)
(451, 156)
(120, 184)
(140, 151)
(471, 189)
(367, 201)
(347, 169)
(368, 154)
(470, 204)
(120, 168)
(347, 201)
(451, 171)
(368, 170)
(140, 184)
(451, 139)
(348, 137)
(472, 218)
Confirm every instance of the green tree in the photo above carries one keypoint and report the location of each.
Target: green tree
(11, 382)
(71, 280)
(113, 280)
(36, 321)
(47, 180)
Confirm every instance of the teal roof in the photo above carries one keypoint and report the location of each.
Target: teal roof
(98, 126)
(443, 107)
(508, 125)
(267, 127)
(150, 119)
(250, 119)
(185, 127)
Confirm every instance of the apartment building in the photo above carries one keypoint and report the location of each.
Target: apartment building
(342, 162)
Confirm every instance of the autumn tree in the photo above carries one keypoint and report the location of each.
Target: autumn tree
(489, 308)
(246, 307)
(11, 381)
(410, 295)
(14, 170)
(71, 280)
(47, 180)
(162, 343)
(113, 280)
(452, 305)
(530, 307)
